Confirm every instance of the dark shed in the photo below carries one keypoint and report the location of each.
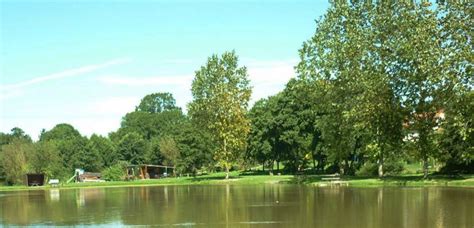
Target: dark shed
(35, 179)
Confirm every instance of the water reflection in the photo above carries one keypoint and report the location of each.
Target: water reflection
(242, 206)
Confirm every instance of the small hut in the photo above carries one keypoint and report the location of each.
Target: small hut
(35, 179)
(147, 171)
(89, 177)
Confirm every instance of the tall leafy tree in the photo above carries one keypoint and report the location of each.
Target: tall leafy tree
(260, 139)
(14, 160)
(157, 102)
(105, 148)
(45, 158)
(221, 93)
(132, 148)
(195, 148)
(334, 57)
(419, 75)
(456, 135)
(70, 143)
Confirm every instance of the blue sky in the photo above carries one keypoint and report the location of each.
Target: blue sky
(88, 63)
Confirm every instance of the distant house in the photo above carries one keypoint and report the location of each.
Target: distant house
(438, 116)
(147, 171)
(89, 177)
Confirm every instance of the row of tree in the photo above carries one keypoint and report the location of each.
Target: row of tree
(378, 85)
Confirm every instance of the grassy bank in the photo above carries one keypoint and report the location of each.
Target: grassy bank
(405, 180)
(246, 179)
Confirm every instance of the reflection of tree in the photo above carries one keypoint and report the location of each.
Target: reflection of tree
(242, 206)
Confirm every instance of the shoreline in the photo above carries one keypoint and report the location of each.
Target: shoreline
(236, 179)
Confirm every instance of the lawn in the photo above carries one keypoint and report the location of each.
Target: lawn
(238, 178)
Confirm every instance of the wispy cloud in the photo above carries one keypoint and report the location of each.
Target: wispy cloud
(64, 74)
(266, 77)
(269, 77)
(118, 105)
(146, 81)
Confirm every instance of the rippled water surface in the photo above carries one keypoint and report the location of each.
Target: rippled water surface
(242, 206)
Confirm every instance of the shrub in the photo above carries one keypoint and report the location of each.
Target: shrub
(114, 173)
(368, 169)
(372, 169)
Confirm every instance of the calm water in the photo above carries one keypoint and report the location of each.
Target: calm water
(242, 206)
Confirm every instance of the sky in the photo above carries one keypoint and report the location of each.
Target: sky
(88, 63)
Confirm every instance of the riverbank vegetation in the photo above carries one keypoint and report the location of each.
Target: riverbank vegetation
(380, 88)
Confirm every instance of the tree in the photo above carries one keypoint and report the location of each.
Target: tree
(14, 160)
(18, 133)
(333, 59)
(155, 116)
(70, 143)
(456, 132)
(419, 74)
(221, 93)
(260, 139)
(169, 150)
(132, 148)
(195, 148)
(157, 102)
(106, 149)
(92, 155)
(45, 158)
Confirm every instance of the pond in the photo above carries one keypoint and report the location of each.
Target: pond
(271, 205)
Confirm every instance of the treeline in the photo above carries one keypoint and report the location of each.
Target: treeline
(157, 132)
(379, 85)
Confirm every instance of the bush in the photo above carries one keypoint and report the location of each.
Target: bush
(393, 167)
(114, 173)
(372, 169)
(453, 167)
(368, 169)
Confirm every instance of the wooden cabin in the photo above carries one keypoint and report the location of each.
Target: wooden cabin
(89, 177)
(147, 171)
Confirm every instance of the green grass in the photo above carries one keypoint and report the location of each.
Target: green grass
(211, 179)
(403, 180)
(238, 178)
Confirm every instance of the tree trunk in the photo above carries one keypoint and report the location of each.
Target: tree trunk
(380, 167)
(271, 168)
(425, 167)
(226, 160)
(381, 163)
(321, 163)
(226, 172)
(314, 163)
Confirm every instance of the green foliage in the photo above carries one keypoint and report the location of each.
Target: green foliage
(14, 160)
(169, 150)
(195, 149)
(371, 169)
(92, 157)
(70, 143)
(132, 148)
(105, 148)
(45, 159)
(221, 93)
(379, 83)
(115, 172)
(157, 102)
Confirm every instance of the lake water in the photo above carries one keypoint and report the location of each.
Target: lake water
(242, 206)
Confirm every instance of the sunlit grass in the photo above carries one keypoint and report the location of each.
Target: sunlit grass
(240, 178)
